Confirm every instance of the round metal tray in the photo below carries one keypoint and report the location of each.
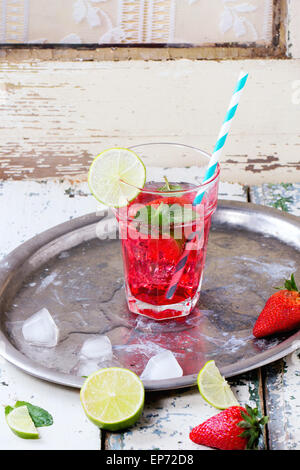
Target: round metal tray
(78, 277)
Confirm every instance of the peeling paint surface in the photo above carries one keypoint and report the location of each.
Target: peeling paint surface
(57, 116)
(284, 196)
(29, 207)
(282, 379)
(71, 429)
(169, 416)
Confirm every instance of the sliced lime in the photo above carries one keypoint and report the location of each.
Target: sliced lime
(113, 398)
(20, 422)
(116, 177)
(214, 388)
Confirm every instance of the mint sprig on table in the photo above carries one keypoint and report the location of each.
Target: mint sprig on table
(8, 409)
(39, 416)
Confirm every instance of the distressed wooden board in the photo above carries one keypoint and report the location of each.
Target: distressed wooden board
(56, 116)
(282, 379)
(28, 208)
(71, 429)
(283, 196)
(169, 416)
(146, 53)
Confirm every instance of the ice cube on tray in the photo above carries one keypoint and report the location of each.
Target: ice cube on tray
(98, 347)
(85, 368)
(40, 329)
(163, 365)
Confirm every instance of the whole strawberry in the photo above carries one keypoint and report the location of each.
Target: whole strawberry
(281, 312)
(235, 428)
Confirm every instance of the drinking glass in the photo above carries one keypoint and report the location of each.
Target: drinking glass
(157, 231)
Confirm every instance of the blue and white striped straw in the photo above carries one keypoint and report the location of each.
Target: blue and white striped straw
(213, 162)
(216, 155)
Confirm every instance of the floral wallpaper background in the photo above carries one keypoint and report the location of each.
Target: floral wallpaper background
(136, 21)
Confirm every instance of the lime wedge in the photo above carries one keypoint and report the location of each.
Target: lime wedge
(21, 424)
(214, 388)
(113, 398)
(116, 177)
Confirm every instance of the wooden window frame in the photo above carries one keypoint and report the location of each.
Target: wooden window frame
(277, 49)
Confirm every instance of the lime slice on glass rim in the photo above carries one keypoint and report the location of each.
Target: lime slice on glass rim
(214, 388)
(21, 424)
(113, 398)
(116, 177)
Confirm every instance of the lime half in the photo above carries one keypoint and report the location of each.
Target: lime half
(21, 424)
(113, 398)
(116, 177)
(214, 388)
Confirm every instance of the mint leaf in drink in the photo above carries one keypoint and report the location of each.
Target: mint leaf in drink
(170, 187)
(149, 218)
(182, 215)
(39, 416)
(166, 215)
(160, 216)
(143, 215)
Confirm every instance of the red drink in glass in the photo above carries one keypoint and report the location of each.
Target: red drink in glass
(154, 230)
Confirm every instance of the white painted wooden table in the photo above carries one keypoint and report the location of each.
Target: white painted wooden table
(28, 208)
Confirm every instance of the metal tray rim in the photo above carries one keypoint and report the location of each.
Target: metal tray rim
(27, 249)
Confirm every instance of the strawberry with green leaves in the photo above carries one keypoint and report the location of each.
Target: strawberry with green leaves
(236, 428)
(281, 312)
